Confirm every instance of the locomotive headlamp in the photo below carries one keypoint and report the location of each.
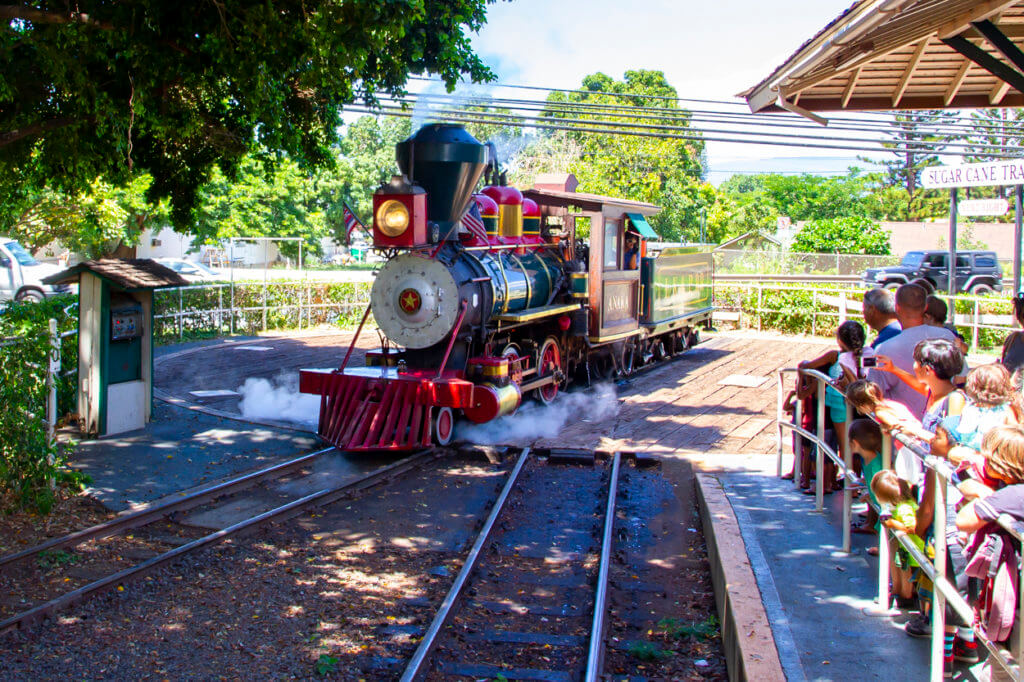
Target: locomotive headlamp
(392, 218)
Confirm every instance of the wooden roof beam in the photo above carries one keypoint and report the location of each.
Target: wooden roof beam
(958, 80)
(998, 93)
(980, 12)
(908, 73)
(850, 85)
(997, 68)
(1004, 45)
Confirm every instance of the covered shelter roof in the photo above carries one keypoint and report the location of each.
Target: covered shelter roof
(904, 54)
(589, 202)
(128, 274)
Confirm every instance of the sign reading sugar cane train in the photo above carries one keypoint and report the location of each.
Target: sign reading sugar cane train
(985, 174)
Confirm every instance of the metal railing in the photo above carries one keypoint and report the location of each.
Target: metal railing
(830, 306)
(227, 315)
(945, 592)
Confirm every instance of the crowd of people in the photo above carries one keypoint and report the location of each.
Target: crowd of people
(913, 379)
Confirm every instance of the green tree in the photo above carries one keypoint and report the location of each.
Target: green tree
(106, 89)
(665, 172)
(804, 197)
(850, 235)
(94, 222)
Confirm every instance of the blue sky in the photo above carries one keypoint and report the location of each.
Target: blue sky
(708, 50)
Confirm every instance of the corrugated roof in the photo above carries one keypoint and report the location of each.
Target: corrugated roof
(890, 54)
(591, 201)
(129, 274)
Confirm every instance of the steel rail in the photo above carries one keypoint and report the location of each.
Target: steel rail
(595, 655)
(293, 508)
(150, 513)
(429, 641)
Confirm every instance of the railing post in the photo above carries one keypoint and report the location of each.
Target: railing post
(883, 538)
(939, 599)
(778, 424)
(760, 301)
(181, 310)
(847, 468)
(52, 375)
(974, 329)
(220, 309)
(814, 313)
(798, 452)
(819, 480)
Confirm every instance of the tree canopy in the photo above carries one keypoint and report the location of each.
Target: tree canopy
(106, 90)
(854, 234)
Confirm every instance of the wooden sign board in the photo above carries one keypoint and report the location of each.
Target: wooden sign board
(987, 174)
(981, 207)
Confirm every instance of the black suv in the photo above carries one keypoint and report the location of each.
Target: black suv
(977, 272)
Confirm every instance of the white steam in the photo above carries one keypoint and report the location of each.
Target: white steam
(279, 400)
(534, 420)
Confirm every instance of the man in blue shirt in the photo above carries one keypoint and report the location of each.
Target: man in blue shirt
(880, 315)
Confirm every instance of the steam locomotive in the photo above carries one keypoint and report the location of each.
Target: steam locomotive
(487, 297)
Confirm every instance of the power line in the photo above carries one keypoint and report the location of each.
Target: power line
(690, 121)
(694, 135)
(860, 120)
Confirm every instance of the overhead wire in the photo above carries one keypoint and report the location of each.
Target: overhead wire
(690, 134)
(500, 105)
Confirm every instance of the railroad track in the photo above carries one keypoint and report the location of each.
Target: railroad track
(530, 599)
(181, 546)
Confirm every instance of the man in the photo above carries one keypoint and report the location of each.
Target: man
(880, 315)
(631, 258)
(911, 304)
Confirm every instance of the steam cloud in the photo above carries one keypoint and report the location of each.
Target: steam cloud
(534, 420)
(279, 400)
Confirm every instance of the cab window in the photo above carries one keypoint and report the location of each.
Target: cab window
(937, 260)
(611, 245)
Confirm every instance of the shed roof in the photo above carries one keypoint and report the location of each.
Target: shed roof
(129, 274)
(904, 54)
(590, 202)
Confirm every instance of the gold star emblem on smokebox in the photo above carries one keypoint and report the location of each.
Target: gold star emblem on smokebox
(409, 301)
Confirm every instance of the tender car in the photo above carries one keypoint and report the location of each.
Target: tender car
(191, 270)
(977, 272)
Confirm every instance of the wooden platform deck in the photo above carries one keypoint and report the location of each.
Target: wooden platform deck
(694, 403)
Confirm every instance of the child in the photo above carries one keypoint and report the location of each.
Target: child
(899, 512)
(990, 398)
(1013, 346)
(866, 397)
(866, 442)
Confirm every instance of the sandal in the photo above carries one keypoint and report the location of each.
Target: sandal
(873, 551)
(787, 477)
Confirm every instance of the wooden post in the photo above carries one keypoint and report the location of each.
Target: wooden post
(1018, 235)
(951, 264)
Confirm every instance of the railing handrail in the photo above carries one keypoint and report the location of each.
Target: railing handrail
(945, 592)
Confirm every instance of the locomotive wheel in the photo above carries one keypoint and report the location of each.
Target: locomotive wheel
(658, 350)
(627, 360)
(444, 426)
(515, 370)
(550, 363)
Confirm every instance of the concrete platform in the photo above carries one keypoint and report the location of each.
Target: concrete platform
(813, 594)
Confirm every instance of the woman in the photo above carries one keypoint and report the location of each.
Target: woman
(1013, 346)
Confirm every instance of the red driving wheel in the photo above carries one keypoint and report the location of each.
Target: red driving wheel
(444, 426)
(550, 364)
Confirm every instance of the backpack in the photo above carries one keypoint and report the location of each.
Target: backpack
(993, 558)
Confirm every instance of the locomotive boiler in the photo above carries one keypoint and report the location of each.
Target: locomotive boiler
(487, 297)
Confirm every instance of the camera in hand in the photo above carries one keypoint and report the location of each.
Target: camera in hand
(870, 361)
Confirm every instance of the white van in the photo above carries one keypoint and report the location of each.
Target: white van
(21, 275)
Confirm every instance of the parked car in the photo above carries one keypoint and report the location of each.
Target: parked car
(21, 274)
(977, 272)
(191, 270)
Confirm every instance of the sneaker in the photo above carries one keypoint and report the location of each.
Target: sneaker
(966, 652)
(919, 626)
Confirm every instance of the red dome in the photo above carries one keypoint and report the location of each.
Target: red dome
(504, 195)
(530, 209)
(487, 205)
